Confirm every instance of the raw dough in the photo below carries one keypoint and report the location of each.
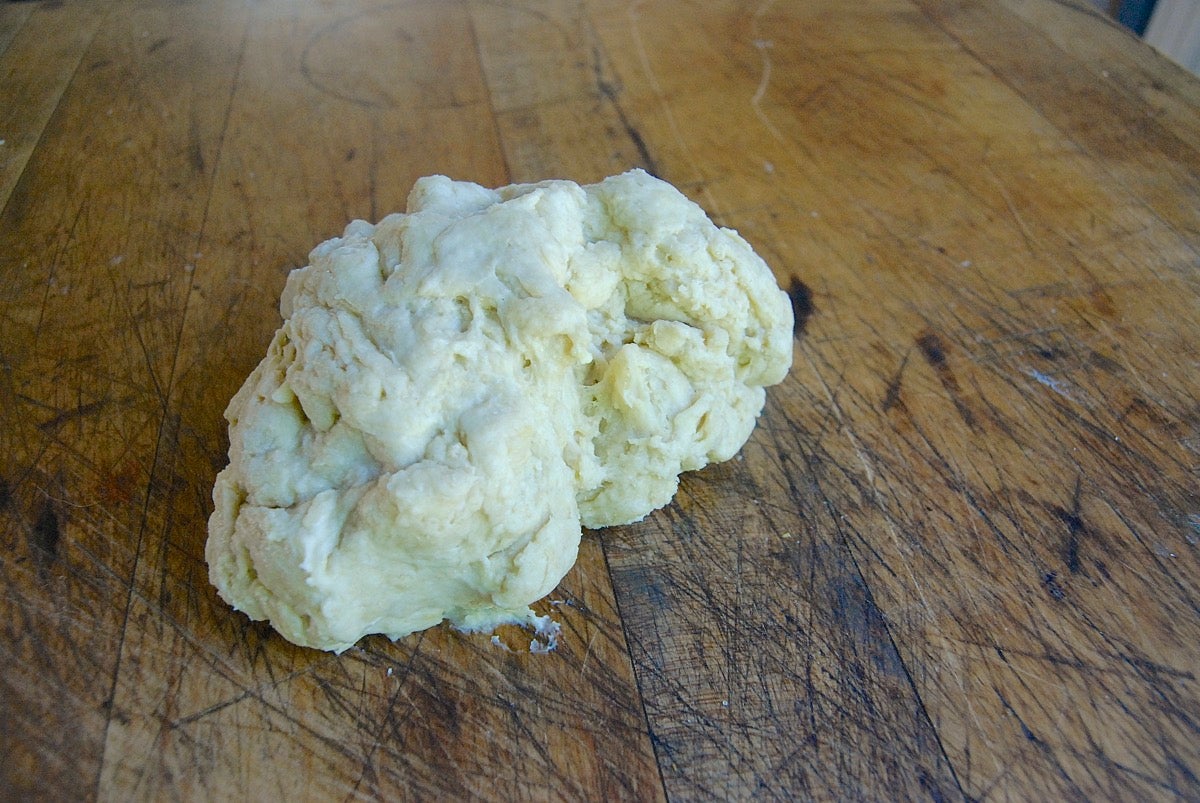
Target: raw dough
(456, 390)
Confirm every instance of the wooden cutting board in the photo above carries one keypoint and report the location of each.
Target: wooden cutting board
(958, 558)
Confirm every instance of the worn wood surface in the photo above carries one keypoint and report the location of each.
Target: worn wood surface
(959, 559)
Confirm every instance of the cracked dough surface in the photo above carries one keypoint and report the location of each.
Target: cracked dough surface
(456, 390)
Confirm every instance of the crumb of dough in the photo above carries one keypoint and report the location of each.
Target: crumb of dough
(457, 390)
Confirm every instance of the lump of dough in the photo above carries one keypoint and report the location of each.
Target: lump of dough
(456, 390)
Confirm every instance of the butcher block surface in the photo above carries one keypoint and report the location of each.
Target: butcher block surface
(958, 559)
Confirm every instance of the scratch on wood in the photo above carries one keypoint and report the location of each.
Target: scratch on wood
(1026, 234)
(82, 411)
(933, 349)
(763, 46)
(372, 97)
(891, 396)
(635, 136)
(1073, 518)
(868, 469)
(610, 92)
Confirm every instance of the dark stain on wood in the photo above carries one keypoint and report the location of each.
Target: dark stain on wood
(117, 486)
(1102, 300)
(46, 533)
(802, 305)
(1053, 587)
(1105, 363)
(934, 350)
(645, 584)
(6, 494)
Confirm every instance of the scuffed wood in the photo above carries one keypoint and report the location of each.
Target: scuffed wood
(958, 558)
(991, 413)
(216, 706)
(41, 49)
(97, 243)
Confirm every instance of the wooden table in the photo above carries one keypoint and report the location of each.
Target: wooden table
(960, 557)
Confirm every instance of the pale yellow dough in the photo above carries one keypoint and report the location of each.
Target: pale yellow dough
(456, 390)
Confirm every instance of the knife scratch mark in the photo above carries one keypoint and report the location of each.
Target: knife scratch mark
(763, 46)
(891, 396)
(611, 94)
(389, 721)
(82, 411)
(1026, 234)
(869, 471)
(935, 350)
(587, 653)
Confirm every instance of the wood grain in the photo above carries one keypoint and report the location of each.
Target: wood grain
(40, 49)
(958, 559)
